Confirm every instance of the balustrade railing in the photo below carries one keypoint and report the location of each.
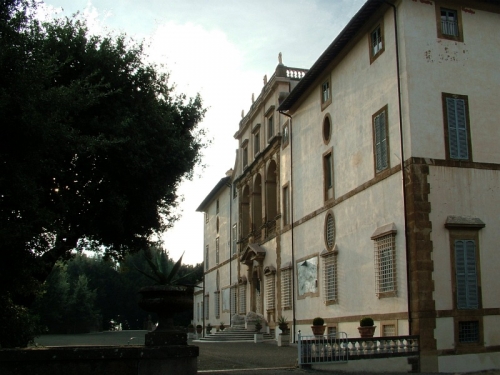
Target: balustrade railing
(339, 348)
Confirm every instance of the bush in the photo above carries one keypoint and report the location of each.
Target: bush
(318, 321)
(17, 326)
(366, 322)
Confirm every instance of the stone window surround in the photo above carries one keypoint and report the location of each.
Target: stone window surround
(450, 6)
(465, 227)
(326, 189)
(375, 56)
(326, 103)
(380, 232)
(326, 139)
(445, 95)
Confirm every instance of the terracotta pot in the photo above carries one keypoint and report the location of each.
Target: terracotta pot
(318, 330)
(199, 329)
(366, 331)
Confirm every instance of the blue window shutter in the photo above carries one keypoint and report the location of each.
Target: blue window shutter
(466, 275)
(457, 128)
(380, 142)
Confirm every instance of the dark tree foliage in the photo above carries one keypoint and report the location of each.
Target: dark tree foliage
(109, 292)
(93, 145)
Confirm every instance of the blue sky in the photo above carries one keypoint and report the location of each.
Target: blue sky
(221, 49)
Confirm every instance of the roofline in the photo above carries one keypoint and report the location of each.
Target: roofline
(339, 43)
(223, 182)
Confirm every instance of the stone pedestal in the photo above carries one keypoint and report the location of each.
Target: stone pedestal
(258, 337)
(283, 339)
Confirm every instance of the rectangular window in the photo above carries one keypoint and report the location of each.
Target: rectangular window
(256, 144)
(270, 128)
(388, 329)
(242, 306)
(457, 132)
(217, 206)
(381, 140)
(332, 330)
(207, 315)
(385, 265)
(286, 288)
(330, 277)
(286, 205)
(376, 42)
(466, 274)
(326, 94)
(234, 296)
(449, 23)
(285, 135)
(468, 332)
(217, 250)
(270, 291)
(206, 257)
(235, 239)
(245, 157)
(217, 304)
(328, 175)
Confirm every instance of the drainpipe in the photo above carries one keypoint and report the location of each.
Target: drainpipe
(402, 168)
(291, 223)
(230, 186)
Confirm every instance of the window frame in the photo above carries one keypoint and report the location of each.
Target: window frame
(207, 254)
(375, 55)
(440, 6)
(285, 135)
(286, 205)
(444, 97)
(217, 251)
(286, 287)
(329, 259)
(328, 176)
(270, 127)
(327, 137)
(385, 233)
(384, 111)
(325, 102)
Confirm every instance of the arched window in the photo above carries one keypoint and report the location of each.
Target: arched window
(271, 201)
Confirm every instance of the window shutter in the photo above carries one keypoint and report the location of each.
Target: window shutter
(457, 128)
(466, 275)
(380, 142)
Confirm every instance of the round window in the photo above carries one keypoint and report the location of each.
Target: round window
(327, 129)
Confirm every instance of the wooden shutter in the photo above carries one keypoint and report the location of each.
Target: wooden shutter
(466, 275)
(380, 142)
(457, 128)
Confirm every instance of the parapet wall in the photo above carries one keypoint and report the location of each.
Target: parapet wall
(100, 360)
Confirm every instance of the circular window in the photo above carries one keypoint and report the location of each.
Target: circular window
(327, 129)
(329, 231)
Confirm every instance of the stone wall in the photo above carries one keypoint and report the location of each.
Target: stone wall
(108, 360)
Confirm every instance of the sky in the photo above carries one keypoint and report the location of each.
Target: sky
(220, 49)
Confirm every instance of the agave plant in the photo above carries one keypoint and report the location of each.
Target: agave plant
(162, 274)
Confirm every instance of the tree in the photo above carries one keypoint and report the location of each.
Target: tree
(93, 145)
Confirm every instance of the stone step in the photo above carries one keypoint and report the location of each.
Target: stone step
(234, 334)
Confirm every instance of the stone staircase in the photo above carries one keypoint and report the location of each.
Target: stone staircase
(238, 333)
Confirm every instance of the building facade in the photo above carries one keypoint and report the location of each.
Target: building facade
(369, 187)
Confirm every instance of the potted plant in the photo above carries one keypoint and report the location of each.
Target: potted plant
(258, 336)
(318, 326)
(366, 327)
(284, 336)
(222, 326)
(166, 298)
(283, 324)
(209, 328)
(199, 329)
